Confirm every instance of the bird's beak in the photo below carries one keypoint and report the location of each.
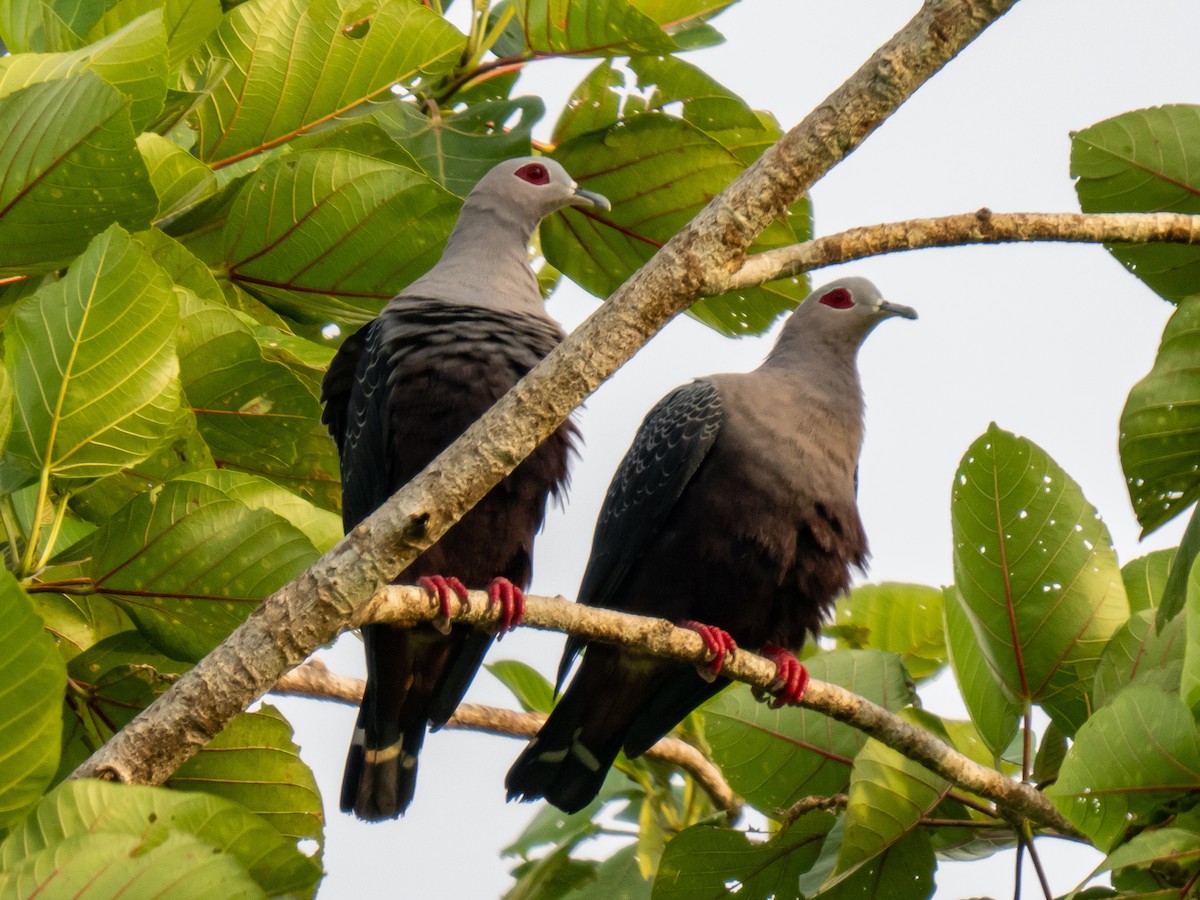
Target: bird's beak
(580, 197)
(895, 309)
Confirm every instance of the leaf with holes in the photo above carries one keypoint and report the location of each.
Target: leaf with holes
(1160, 425)
(126, 840)
(188, 564)
(254, 762)
(298, 64)
(1147, 160)
(71, 169)
(902, 618)
(773, 757)
(1139, 652)
(33, 678)
(92, 362)
(329, 234)
(658, 172)
(703, 860)
(1130, 760)
(1036, 571)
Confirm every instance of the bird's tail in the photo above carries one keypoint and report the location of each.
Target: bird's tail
(381, 770)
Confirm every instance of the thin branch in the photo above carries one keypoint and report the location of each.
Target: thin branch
(808, 804)
(314, 679)
(312, 609)
(981, 227)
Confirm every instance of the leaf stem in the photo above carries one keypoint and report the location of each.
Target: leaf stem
(55, 528)
(27, 567)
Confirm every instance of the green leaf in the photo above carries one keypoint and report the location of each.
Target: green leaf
(187, 22)
(71, 170)
(298, 64)
(254, 762)
(773, 757)
(1174, 591)
(76, 623)
(1146, 580)
(1147, 160)
(188, 564)
(589, 28)
(659, 172)
(1051, 751)
(994, 712)
(112, 838)
(1189, 682)
(1160, 425)
(617, 878)
(458, 148)
(529, 686)
(904, 872)
(1163, 849)
(132, 59)
(180, 180)
(330, 235)
(92, 361)
(703, 861)
(902, 618)
(33, 677)
(1139, 652)
(1036, 571)
(255, 414)
(1128, 761)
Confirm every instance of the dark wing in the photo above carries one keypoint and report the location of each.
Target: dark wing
(668, 449)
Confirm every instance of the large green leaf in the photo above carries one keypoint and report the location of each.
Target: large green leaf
(132, 59)
(1189, 681)
(1147, 160)
(180, 180)
(659, 172)
(1174, 590)
(298, 64)
(1130, 759)
(71, 169)
(1160, 425)
(773, 757)
(1140, 652)
(701, 862)
(188, 564)
(75, 622)
(187, 22)
(994, 712)
(902, 618)
(589, 28)
(1036, 571)
(92, 361)
(126, 840)
(329, 234)
(1146, 579)
(255, 414)
(904, 871)
(255, 763)
(32, 680)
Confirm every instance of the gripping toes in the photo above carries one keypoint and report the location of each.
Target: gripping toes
(791, 678)
(718, 642)
(441, 588)
(512, 603)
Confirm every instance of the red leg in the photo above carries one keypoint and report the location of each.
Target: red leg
(790, 676)
(512, 603)
(719, 643)
(441, 587)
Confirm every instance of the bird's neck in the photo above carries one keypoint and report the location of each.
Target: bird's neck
(485, 263)
(824, 373)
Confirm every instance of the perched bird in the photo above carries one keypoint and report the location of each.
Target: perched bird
(733, 514)
(398, 392)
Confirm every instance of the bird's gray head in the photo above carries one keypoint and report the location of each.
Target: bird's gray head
(838, 315)
(529, 188)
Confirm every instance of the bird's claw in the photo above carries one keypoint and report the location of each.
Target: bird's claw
(441, 587)
(511, 600)
(791, 678)
(719, 644)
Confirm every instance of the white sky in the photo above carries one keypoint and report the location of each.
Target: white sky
(1044, 339)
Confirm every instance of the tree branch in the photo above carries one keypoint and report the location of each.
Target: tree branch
(314, 679)
(310, 611)
(982, 227)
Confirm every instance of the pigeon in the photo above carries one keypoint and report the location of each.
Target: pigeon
(733, 514)
(398, 392)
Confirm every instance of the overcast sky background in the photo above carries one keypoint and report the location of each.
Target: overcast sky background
(1046, 340)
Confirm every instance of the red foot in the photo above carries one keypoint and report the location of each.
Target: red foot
(512, 603)
(441, 587)
(791, 678)
(719, 643)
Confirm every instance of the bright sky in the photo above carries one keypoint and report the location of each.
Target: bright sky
(1046, 340)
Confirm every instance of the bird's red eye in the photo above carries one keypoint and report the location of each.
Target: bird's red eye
(534, 173)
(838, 298)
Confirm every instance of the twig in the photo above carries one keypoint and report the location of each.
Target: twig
(808, 804)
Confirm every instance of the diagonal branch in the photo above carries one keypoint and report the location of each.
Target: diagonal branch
(311, 610)
(981, 227)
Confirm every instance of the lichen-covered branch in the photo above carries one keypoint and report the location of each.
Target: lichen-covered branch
(314, 679)
(982, 227)
(312, 609)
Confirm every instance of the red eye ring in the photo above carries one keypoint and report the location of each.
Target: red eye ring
(534, 173)
(838, 298)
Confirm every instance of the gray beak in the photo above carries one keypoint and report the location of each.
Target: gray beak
(590, 198)
(895, 309)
